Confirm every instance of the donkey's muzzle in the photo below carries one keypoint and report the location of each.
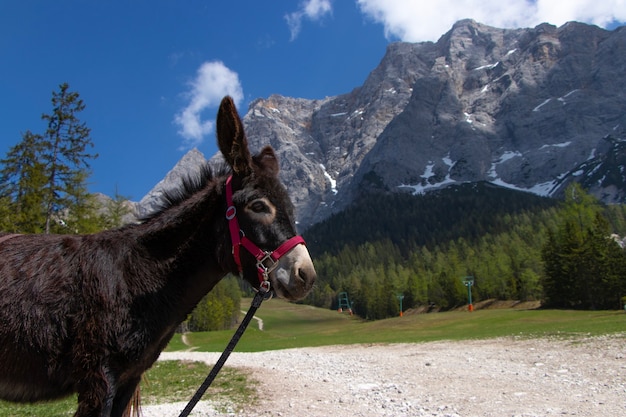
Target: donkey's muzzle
(295, 274)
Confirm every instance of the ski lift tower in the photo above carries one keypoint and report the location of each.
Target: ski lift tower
(400, 298)
(468, 281)
(344, 303)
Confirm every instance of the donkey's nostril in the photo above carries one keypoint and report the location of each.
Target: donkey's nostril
(306, 275)
(301, 274)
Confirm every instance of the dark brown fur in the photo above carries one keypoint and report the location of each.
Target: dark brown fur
(90, 313)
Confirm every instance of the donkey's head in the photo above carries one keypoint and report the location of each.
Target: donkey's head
(261, 215)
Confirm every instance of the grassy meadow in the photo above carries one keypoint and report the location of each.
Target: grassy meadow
(167, 381)
(287, 325)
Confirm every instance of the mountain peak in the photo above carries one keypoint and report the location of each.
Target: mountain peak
(522, 108)
(465, 25)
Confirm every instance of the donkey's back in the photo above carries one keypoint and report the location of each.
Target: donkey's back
(57, 293)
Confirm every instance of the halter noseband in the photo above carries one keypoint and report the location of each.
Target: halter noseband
(266, 261)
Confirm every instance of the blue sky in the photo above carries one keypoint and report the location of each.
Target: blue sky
(151, 72)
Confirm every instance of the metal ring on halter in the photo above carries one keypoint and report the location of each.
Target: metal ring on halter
(231, 212)
(265, 287)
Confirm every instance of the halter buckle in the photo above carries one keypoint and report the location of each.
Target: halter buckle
(266, 265)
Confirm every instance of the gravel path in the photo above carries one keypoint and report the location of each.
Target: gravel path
(498, 377)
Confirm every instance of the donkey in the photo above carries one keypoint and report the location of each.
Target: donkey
(90, 313)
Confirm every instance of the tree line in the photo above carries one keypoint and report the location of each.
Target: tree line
(516, 247)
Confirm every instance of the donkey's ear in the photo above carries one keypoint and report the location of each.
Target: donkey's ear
(231, 138)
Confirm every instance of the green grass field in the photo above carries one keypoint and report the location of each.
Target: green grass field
(289, 325)
(167, 381)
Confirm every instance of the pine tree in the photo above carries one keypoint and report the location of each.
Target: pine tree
(65, 156)
(81, 214)
(23, 181)
(116, 210)
(604, 257)
(43, 178)
(582, 263)
(6, 214)
(580, 206)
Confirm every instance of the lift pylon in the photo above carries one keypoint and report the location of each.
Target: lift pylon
(344, 303)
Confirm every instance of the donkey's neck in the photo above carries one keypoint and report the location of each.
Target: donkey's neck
(187, 241)
(177, 226)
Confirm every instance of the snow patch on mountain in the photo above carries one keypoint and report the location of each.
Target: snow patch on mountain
(333, 182)
(428, 174)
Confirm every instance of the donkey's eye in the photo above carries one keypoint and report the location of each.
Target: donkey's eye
(261, 210)
(259, 207)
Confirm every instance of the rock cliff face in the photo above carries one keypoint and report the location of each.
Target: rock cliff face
(519, 108)
(322, 143)
(189, 164)
(531, 109)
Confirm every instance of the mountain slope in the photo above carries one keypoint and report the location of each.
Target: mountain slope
(523, 108)
(520, 108)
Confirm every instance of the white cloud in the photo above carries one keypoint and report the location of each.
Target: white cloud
(310, 9)
(416, 20)
(213, 81)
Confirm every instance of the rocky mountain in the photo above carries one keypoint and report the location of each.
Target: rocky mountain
(521, 108)
(531, 109)
(189, 164)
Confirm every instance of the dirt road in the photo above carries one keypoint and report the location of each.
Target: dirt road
(499, 377)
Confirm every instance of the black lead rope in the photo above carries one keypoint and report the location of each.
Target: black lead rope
(256, 303)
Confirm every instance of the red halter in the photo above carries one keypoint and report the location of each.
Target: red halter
(266, 261)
